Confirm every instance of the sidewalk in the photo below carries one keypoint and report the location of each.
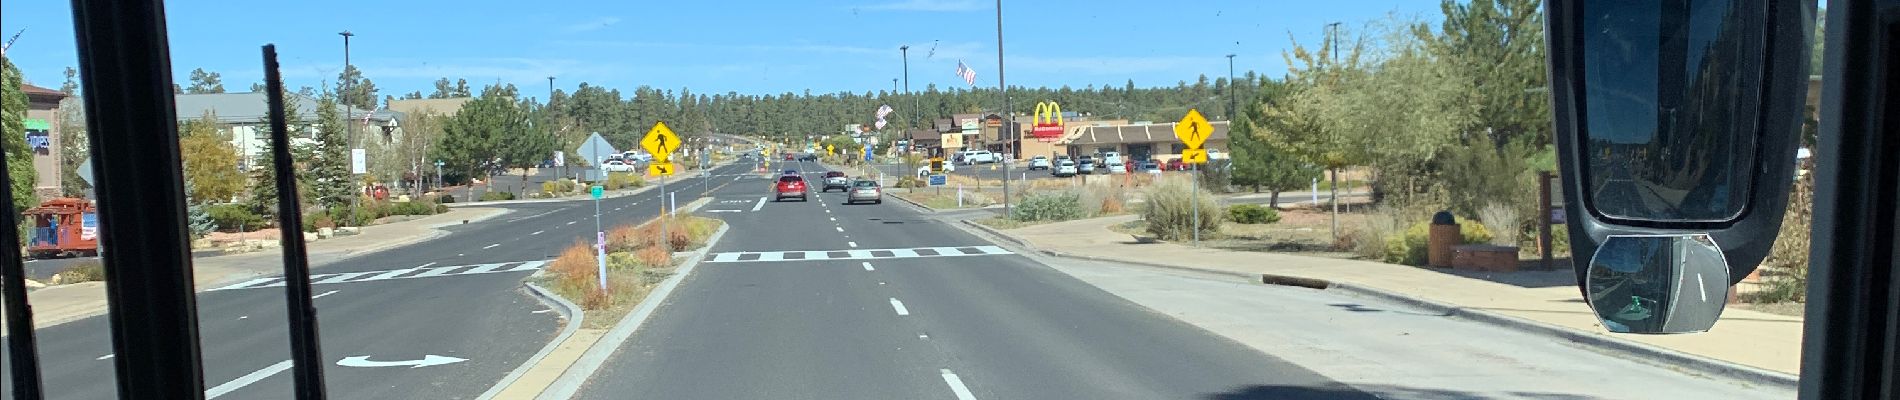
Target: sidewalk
(65, 303)
(1747, 338)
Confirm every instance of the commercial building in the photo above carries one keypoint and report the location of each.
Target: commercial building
(42, 138)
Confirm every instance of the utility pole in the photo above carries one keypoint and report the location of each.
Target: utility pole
(1008, 121)
(550, 112)
(349, 126)
(1333, 45)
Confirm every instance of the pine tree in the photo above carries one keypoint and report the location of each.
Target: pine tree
(325, 178)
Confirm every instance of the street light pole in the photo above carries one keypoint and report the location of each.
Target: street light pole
(1008, 121)
(350, 127)
(1231, 108)
(910, 143)
(550, 112)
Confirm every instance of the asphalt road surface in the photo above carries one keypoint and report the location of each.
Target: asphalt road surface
(456, 302)
(930, 313)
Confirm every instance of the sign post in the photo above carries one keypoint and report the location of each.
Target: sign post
(661, 142)
(1193, 131)
(600, 239)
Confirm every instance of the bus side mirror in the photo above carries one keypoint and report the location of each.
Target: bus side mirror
(1676, 124)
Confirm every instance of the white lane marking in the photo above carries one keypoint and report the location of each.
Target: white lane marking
(899, 306)
(247, 379)
(339, 278)
(867, 266)
(1702, 288)
(572, 222)
(537, 232)
(956, 385)
(541, 312)
(853, 244)
(726, 257)
(903, 253)
(839, 228)
(460, 254)
(244, 317)
(241, 285)
(833, 219)
(484, 269)
(104, 357)
(724, 211)
(426, 265)
(324, 294)
(772, 256)
(827, 211)
(490, 246)
(755, 207)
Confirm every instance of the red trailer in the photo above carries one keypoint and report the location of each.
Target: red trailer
(63, 227)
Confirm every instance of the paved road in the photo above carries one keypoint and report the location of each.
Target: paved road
(822, 300)
(943, 316)
(456, 296)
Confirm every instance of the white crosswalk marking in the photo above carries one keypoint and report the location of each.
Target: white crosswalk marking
(856, 254)
(404, 273)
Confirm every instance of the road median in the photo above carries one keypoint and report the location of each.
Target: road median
(608, 318)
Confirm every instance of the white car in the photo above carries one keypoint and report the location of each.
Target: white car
(617, 166)
(1064, 169)
(1114, 166)
(1039, 162)
(973, 157)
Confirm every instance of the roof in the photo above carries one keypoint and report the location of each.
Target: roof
(40, 96)
(444, 107)
(922, 134)
(1150, 133)
(251, 107)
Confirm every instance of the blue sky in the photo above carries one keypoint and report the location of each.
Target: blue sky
(746, 46)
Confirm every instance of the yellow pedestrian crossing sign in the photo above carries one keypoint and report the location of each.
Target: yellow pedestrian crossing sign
(660, 142)
(660, 168)
(1193, 129)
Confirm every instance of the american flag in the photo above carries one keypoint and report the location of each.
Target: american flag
(969, 75)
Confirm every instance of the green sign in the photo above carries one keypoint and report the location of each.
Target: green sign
(598, 192)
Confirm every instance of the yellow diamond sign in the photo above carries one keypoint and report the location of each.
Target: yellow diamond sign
(660, 142)
(1193, 129)
(660, 168)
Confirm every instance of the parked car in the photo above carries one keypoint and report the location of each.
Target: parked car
(808, 157)
(1039, 162)
(1176, 165)
(1085, 167)
(1064, 169)
(973, 157)
(835, 180)
(789, 186)
(864, 190)
(1151, 167)
(617, 166)
(1114, 165)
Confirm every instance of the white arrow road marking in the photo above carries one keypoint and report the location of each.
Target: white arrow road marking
(247, 379)
(426, 361)
(899, 306)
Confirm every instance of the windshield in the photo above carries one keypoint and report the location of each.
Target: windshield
(603, 200)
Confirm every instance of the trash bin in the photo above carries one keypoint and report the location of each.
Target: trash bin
(1444, 234)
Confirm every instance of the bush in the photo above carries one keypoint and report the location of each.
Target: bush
(234, 217)
(497, 196)
(1500, 218)
(907, 181)
(1169, 211)
(1049, 206)
(1252, 214)
(1102, 199)
(89, 271)
(654, 257)
(412, 208)
(622, 180)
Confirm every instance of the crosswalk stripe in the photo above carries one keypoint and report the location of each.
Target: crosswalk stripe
(856, 254)
(405, 273)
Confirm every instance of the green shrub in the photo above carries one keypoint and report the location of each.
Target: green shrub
(1169, 210)
(86, 271)
(412, 208)
(1049, 206)
(1252, 214)
(621, 180)
(233, 217)
(497, 196)
(439, 208)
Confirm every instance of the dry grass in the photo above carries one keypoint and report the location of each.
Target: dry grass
(636, 263)
(654, 257)
(90, 271)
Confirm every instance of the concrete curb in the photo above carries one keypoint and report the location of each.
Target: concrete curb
(574, 320)
(576, 376)
(1637, 350)
(919, 206)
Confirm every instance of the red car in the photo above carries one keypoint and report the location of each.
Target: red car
(789, 186)
(1176, 165)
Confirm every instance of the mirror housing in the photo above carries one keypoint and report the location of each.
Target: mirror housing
(1704, 148)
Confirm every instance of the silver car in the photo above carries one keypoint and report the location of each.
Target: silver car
(865, 190)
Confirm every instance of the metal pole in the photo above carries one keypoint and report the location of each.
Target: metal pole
(1194, 197)
(356, 187)
(910, 143)
(1008, 121)
(1232, 109)
(306, 346)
